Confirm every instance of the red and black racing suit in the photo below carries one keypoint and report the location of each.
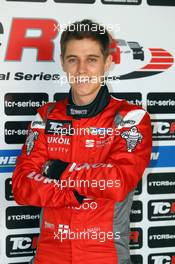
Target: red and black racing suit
(106, 161)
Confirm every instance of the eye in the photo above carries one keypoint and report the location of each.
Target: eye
(72, 60)
(92, 59)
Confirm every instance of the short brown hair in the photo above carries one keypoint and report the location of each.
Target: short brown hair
(74, 31)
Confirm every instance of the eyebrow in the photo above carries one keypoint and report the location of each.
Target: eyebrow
(75, 56)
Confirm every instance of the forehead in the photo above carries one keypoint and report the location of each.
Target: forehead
(83, 47)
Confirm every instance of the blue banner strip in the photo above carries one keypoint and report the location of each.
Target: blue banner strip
(162, 156)
(8, 159)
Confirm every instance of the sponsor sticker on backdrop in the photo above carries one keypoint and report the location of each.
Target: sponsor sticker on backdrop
(137, 259)
(122, 2)
(161, 183)
(8, 190)
(161, 210)
(162, 258)
(75, 1)
(21, 245)
(136, 238)
(22, 217)
(136, 212)
(163, 129)
(138, 189)
(161, 103)
(23, 103)
(161, 237)
(16, 131)
(161, 3)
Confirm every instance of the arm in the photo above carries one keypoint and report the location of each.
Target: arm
(124, 166)
(29, 186)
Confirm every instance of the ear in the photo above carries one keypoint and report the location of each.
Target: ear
(108, 62)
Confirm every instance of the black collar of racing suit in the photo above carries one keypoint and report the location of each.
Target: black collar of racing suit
(95, 107)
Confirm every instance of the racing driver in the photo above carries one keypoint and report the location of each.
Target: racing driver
(98, 148)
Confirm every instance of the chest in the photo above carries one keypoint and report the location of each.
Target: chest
(84, 140)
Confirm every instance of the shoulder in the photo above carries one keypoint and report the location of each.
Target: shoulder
(128, 114)
(41, 116)
(47, 108)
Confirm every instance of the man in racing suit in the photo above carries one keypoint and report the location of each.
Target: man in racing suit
(102, 146)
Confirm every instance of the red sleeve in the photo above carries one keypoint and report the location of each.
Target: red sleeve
(124, 166)
(29, 186)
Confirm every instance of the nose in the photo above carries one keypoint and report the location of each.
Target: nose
(81, 67)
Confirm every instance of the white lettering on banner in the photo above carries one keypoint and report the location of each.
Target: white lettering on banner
(88, 166)
(21, 242)
(8, 160)
(162, 183)
(135, 211)
(161, 102)
(161, 259)
(160, 127)
(160, 237)
(23, 217)
(161, 207)
(19, 132)
(155, 155)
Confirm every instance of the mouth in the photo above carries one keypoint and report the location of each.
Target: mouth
(83, 79)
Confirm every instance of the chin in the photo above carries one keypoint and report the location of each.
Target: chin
(85, 88)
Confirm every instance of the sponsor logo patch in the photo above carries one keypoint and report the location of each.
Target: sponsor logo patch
(30, 141)
(132, 137)
(59, 127)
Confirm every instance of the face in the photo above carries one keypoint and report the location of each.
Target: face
(85, 67)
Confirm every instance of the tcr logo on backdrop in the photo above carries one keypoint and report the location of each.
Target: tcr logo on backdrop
(46, 30)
